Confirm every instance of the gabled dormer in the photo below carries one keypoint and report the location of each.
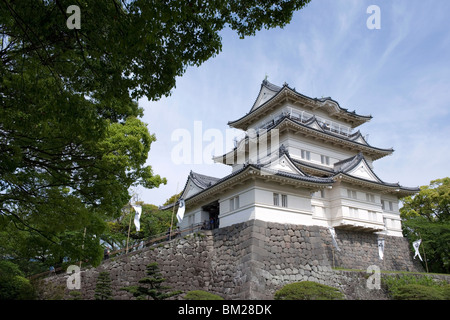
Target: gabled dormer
(196, 183)
(267, 91)
(281, 162)
(356, 171)
(357, 166)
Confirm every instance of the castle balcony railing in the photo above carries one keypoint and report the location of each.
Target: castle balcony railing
(359, 222)
(303, 117)
(296, 115)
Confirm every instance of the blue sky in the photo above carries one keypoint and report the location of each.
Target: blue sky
(399, 74)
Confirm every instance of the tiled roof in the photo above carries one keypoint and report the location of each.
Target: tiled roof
(278, 89)
(270, 85)
(312, 121)
(207, 182)
(347, 165)
(203, 181)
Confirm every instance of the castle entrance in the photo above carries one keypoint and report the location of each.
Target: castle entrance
(212, 210)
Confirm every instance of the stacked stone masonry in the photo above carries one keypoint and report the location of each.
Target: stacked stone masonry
(252, 260)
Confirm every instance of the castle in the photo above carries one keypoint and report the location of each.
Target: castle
(301, 161)
(301, 200)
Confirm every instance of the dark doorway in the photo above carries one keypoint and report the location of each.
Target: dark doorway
(213, 219)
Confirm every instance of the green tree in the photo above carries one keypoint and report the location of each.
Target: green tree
(151, 286)
(13, 284)
(71, 141)
(172, 199)
(153, 222)
(103, 289)
(426, 215)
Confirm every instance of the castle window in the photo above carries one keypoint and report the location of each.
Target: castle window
(306, 155)
(351, 194)
(372, 215)
(234, 203)
(276, 199)
(370, 197)
(384, 205)
(353, 212)
(325, 160)
(284, 201)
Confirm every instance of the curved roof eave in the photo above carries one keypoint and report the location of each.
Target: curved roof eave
(312, 182)
(381, 151)
(387, 151)
(286, 88)
(394, 188)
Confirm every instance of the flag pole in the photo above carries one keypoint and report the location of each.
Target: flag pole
(129, 227)
(173, 211)
(424, 255)
(136, 198)
(82, 246)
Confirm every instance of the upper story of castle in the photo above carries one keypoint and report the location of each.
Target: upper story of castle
(273, 102)
(309, 127)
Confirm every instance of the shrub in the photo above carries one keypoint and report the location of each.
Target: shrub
(75, 295)
(446, 291)
(308, 290)
(201, 295)
(418, 292)
(410, 287)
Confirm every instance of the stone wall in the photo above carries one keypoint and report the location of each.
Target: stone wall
(360, 250)
(252, 260)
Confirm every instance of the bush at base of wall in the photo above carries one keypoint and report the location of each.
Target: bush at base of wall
(201, 295)
(308, 290)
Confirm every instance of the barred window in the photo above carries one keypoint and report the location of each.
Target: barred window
(306, 155)
(284, 200)
(325, 160)
(276, 199)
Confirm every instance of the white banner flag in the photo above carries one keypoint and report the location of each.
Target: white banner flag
(180, 212)
(333, 238)
(137, 217)
(416, 245)
(381, 248)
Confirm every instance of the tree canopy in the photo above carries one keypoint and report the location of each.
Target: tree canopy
(426, 215)
(153, 222)
(71, 139)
